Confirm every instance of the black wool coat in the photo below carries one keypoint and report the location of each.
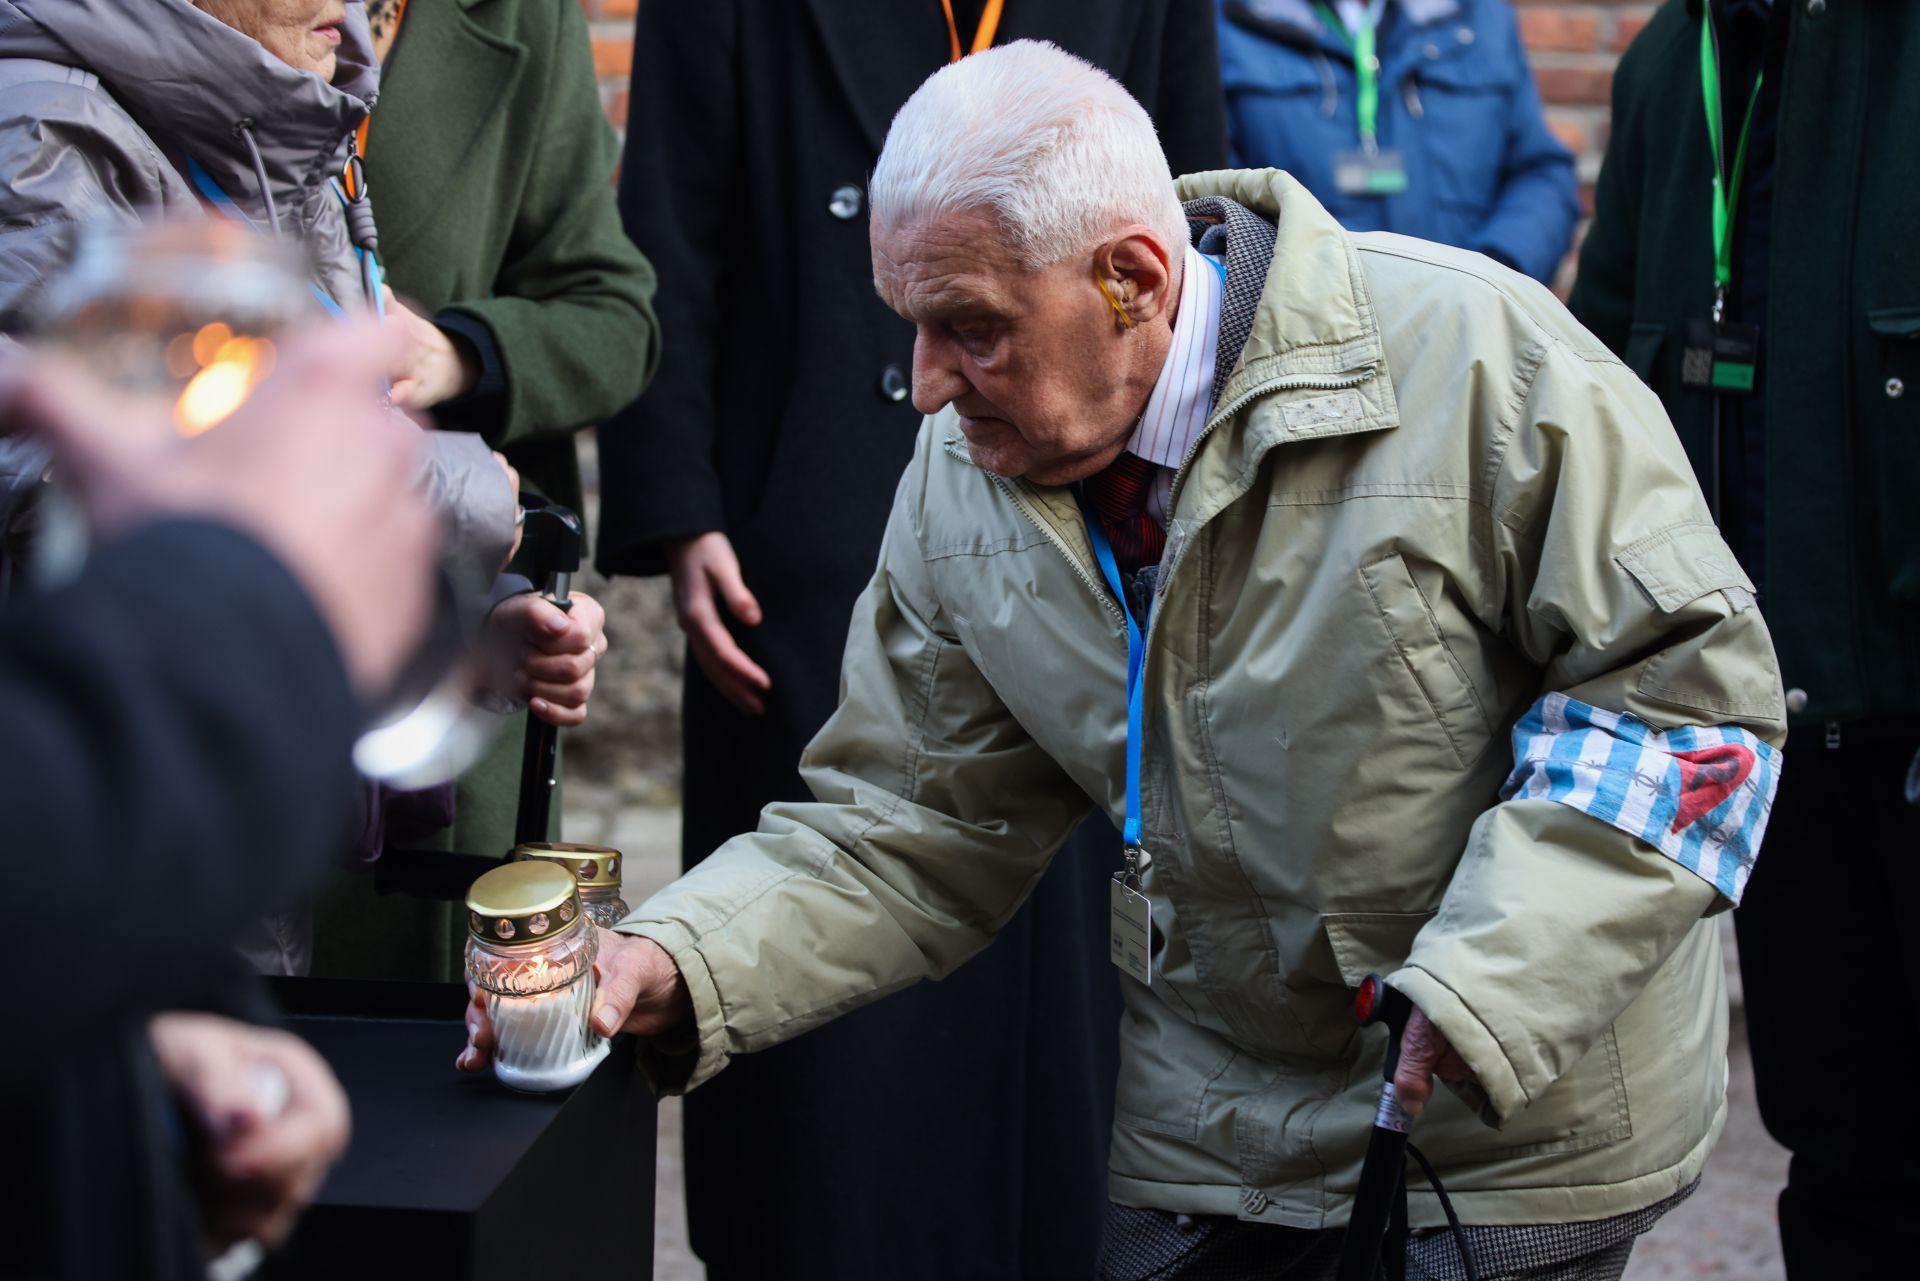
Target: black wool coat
(957, 1130)
(1840, 340)
(179, 729)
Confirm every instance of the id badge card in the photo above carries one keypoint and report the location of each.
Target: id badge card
(1130, 930)
(1720, 357)
(1369, 173)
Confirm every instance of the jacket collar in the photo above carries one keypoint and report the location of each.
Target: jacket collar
(188, 80)
(1312, 327)
(881, 53)
(450, 112)
(872, 49)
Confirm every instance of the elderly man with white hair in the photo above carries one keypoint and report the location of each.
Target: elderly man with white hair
(1372, 596)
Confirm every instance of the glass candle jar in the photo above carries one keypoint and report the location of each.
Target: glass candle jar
(595, 870)
(530, 947)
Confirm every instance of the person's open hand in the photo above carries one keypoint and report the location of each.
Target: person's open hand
(428, 366)
(1425, 1053)
(550, 653)
(639, 990)
(268, 1117)
(705, 573)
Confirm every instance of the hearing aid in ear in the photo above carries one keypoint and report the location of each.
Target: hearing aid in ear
(1126, 317)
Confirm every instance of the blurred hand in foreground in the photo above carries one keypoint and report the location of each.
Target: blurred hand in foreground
(268, 1121)
(547, 655)
(310, 465)
(706, 573)
(639, 990)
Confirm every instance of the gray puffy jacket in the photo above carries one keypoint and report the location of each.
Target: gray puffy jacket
(102, 102)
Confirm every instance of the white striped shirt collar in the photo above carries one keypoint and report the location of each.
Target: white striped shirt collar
(1182, 399)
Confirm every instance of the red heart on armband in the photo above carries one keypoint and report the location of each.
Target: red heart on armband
(1708, 776)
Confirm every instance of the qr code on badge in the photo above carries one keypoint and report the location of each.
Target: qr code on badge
(1696, 366)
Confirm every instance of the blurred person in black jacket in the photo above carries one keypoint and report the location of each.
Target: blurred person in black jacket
(178, 722)
(758, 470)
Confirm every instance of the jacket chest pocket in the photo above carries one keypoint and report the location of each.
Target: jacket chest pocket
(1462, 104)
(1421, 652)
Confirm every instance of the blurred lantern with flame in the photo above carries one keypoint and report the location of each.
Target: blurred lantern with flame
(185, 314)
(530, 948)
(184, 319)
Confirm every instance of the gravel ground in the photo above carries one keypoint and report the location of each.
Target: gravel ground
(1726, 1230)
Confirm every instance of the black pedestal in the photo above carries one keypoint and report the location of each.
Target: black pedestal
(453, 1175)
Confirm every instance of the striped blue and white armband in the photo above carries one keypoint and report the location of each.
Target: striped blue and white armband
(1698, 794)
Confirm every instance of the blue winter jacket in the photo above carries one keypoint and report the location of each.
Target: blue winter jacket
(1457, 100)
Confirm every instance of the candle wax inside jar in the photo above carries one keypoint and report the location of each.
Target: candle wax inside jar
(544, 1042)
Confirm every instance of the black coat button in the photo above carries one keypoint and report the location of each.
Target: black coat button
(894, 384)
(844, 204)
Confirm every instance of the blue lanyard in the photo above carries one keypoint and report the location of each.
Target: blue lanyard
(210, 192)
(1136, 654)
(1136, 645)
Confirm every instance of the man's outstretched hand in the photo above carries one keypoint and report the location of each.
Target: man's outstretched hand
(1424, 1054)
(639, 990)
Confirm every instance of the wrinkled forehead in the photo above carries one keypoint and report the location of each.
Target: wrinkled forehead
(939, 268)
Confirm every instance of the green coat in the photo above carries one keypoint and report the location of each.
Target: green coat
(1426, 503)
(491, 168)
(1840, 341)
(490, 165)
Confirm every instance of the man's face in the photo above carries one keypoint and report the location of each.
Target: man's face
(1032, 361)
(304, 34)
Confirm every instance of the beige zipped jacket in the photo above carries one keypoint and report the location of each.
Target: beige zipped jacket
(1428, 504)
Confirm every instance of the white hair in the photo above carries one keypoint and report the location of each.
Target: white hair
(1053, 147)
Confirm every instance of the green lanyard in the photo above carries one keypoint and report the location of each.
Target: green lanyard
(1726, 194)
(1366, 68)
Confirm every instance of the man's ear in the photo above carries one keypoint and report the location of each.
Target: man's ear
(1137, 270)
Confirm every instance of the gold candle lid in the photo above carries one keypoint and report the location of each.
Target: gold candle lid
(591, 865)
(522, 903)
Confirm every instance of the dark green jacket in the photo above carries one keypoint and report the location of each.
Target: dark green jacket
(491, 168)
(1840, 341)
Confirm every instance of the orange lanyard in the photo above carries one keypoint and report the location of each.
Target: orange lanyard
(982, 36)
(360, 134)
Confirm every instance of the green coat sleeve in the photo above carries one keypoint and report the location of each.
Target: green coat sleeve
(935, 815)
(571, 308)
(1612, 579)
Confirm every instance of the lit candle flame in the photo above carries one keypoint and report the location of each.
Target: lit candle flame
(230, 369)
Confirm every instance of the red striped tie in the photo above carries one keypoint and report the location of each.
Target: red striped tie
(1118, 497)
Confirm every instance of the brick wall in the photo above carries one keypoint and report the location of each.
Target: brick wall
(1574, 44)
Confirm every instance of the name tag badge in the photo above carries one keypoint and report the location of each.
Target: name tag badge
(1369, 173)
(1131, 930)
(1720, 357)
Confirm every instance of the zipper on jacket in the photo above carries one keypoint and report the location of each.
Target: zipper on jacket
(1296, 382)
(1096, 586)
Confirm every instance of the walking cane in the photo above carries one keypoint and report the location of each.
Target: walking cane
(1383, 1175)
(550, 543)
(1380, 1203)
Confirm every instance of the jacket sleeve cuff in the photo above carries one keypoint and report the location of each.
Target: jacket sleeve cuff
(483, 410)
(1500, 1094)
(679, 1061)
